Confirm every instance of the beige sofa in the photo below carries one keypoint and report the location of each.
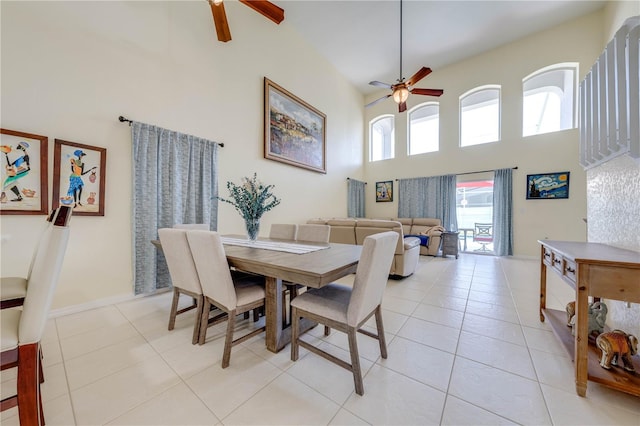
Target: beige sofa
(429, 227)
(354, 231)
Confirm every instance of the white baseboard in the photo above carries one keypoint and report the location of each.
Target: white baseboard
(74, 309)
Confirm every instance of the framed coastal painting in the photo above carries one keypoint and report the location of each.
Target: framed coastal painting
(24, 173)
(79, 177)
(548, 186)
(294, 131)
(384, 191)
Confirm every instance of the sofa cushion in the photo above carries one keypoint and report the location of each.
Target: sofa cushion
(342, 231)
(411, 242)
(424, 239)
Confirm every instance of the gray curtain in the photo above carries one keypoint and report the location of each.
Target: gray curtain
(355, 198)
(429, 197)
(503, 213)
(175, 180)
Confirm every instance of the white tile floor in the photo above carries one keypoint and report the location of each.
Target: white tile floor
(465, 348)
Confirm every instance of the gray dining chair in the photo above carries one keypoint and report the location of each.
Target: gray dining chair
(22, 328)
(184, 276)
(346, 309)
(315, 233)
(220, 289)
(283, 231)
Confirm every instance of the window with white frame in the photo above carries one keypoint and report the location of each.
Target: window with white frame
(549, 97)
(424, 128)
(381, 138)
(480, 116)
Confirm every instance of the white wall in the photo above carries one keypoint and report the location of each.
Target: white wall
(575, 41)
(69, 69)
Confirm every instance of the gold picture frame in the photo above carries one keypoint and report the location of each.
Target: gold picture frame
(294, 131)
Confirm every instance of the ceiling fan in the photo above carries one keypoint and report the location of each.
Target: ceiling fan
(263, 7)
(400, 90)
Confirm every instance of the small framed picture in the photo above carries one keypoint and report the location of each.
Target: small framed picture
(384, 191)
(548, 186)
(79, 177)
(25, 173)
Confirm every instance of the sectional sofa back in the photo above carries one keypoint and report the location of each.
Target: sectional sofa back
(366, 227)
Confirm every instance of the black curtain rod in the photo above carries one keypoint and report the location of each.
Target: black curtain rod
(124, 119)
(350, 179)
(480, 171)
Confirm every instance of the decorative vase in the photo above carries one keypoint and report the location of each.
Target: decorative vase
(253, 228)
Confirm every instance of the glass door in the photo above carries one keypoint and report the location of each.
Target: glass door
(474, 208)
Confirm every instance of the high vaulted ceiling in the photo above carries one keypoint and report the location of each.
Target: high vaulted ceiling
(361, 38)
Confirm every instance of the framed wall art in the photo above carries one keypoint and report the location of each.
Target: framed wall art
(79, 177)
(384, 191)
(294, 131)
(550, 186)
(24, 173)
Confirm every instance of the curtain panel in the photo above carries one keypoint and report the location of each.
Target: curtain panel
(503, 212)
(429, 197)
(355, 198)
(175, 180)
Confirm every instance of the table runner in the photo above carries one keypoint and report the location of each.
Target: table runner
(295, 248)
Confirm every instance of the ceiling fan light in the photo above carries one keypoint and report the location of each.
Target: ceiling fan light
(400, 95)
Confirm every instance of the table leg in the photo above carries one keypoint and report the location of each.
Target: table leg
(543, 284)
(582, 335)
(276, 337)
(273, 312)
(465, 240)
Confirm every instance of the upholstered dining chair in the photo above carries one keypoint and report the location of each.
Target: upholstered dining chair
(22, 328)
(306, 232)
(347, 309)
(14, 289)
(184, 276)
(233, 296)
(283, 231)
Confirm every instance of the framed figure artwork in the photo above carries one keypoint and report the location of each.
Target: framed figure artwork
(548, 186)
(384, 191)
(294, 131)
(24, 173)
(79, 177)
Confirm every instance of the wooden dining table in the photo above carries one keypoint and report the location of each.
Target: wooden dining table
(315, 269)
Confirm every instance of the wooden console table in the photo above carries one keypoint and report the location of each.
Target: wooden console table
(595, 270)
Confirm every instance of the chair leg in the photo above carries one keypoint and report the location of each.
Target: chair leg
(327, 330)
(295, 331)
(256, 314)
(228, 340)
(204, 320)
(355, 360)
(198, 321)
(174, 308)
(381, 339)
(29, 384)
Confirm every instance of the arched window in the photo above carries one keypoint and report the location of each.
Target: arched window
(549, 96)
(424, 128)
(480, 116)
(381, 138)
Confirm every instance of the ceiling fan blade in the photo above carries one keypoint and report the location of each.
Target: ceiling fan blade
(422, 73)
(266, 8)
(380, 84)
(376, 101)
(220, 21)
(428, 92)
(402, 107)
